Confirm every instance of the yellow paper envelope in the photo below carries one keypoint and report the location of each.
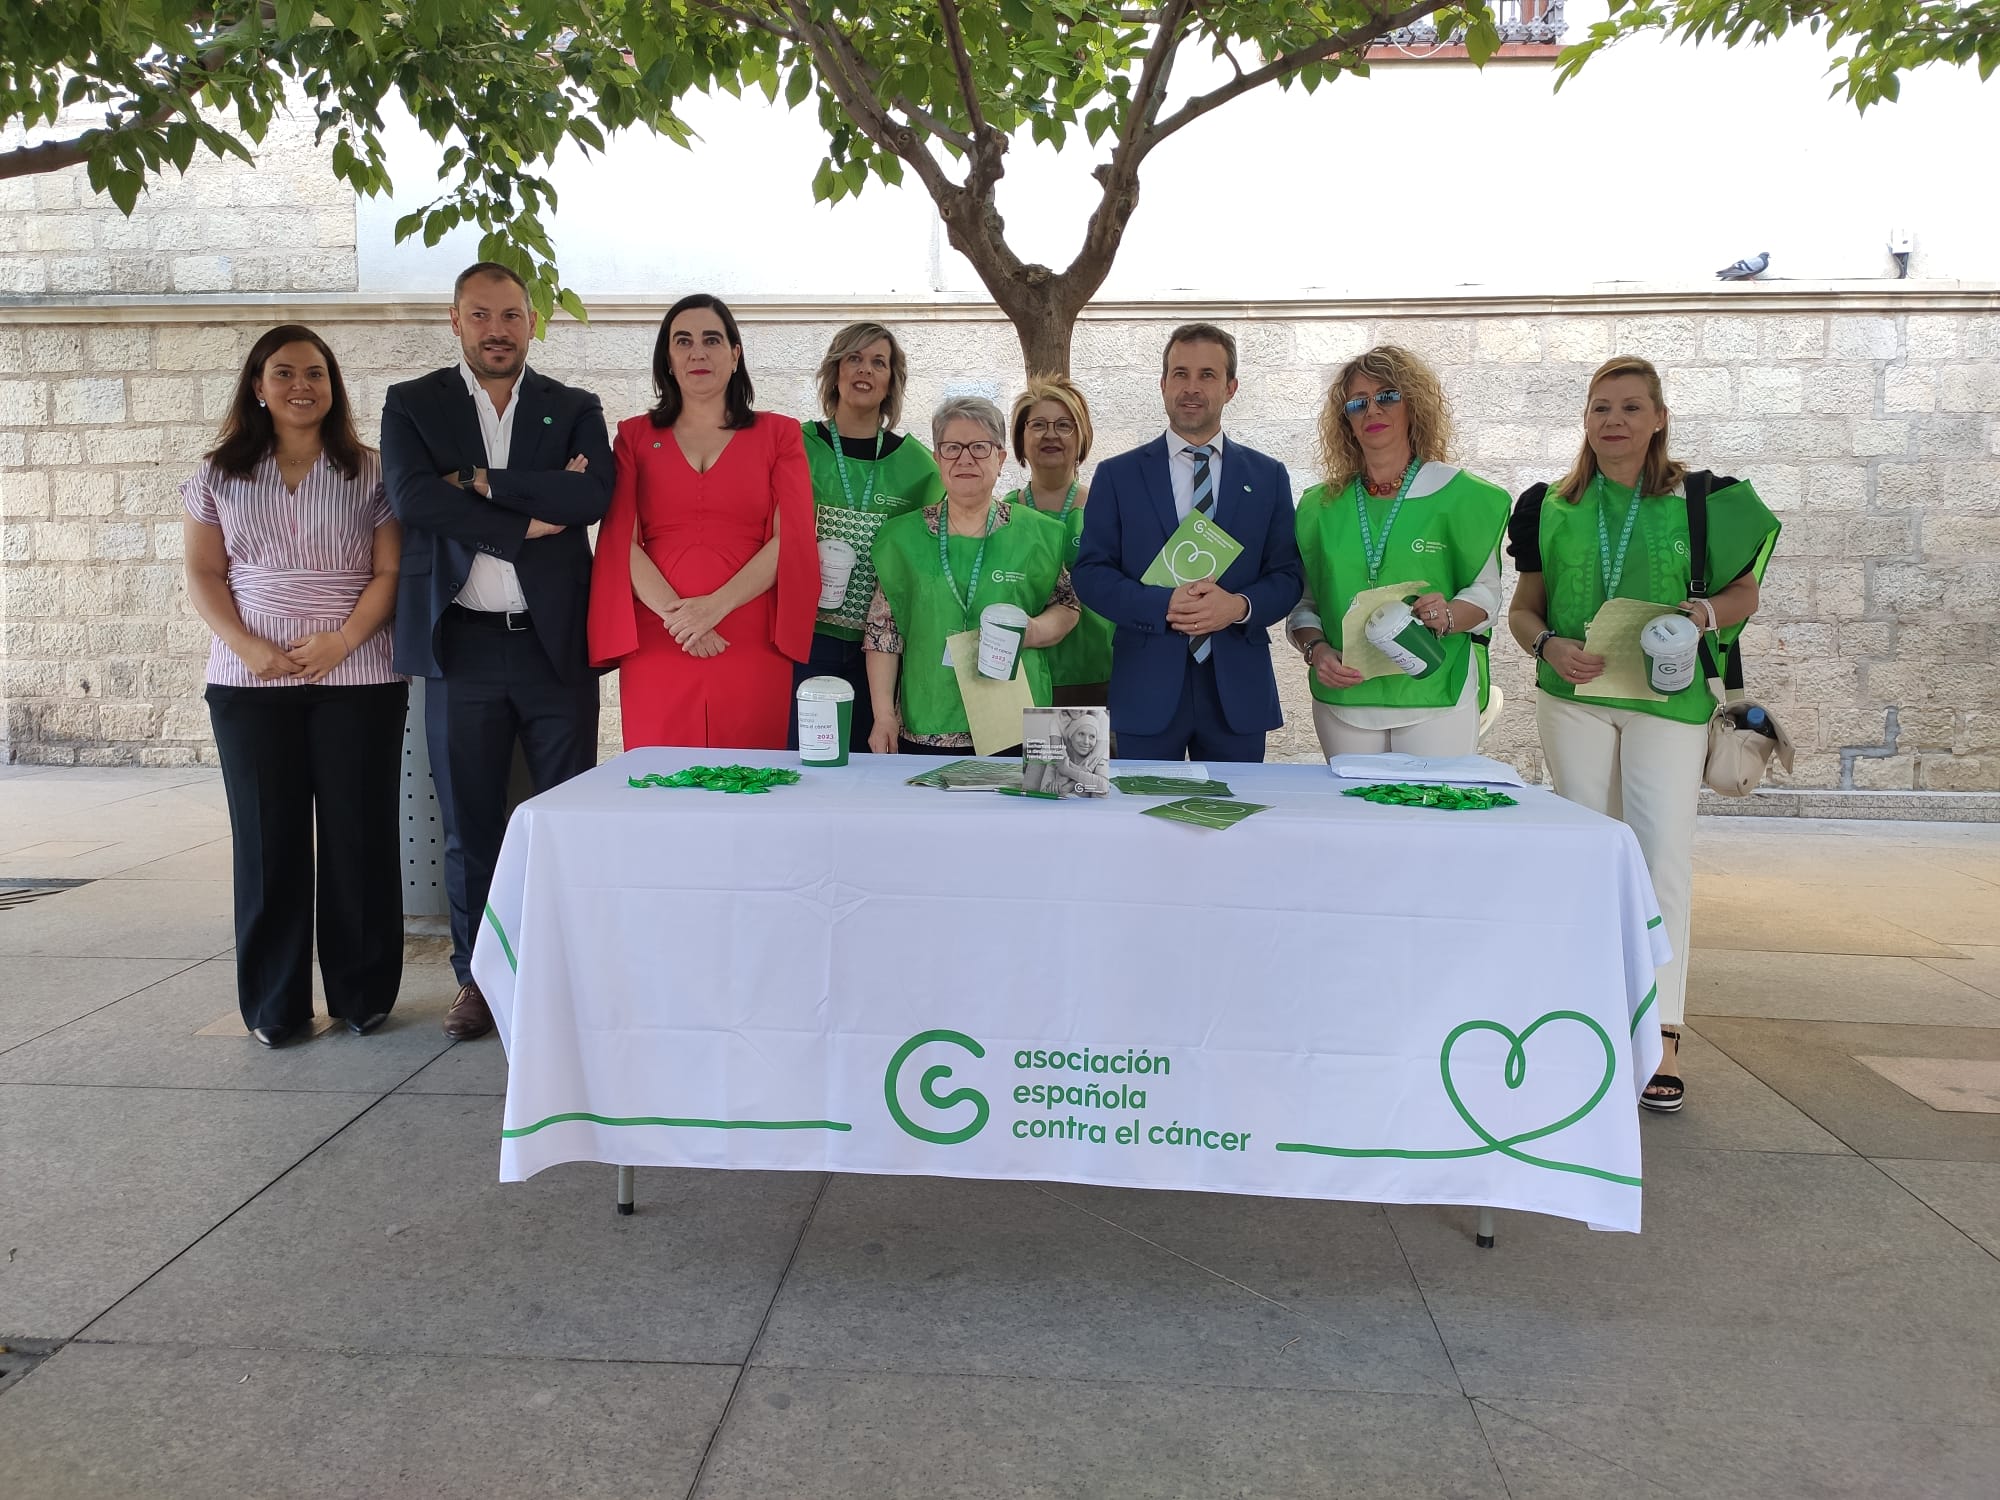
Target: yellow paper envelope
(992, 705)
(1613, 633)
(1356, 649)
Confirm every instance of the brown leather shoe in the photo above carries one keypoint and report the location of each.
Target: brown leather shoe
(468, 1016)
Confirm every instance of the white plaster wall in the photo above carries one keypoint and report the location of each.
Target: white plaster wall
(1658, 164)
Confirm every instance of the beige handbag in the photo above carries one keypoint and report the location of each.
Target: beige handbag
(1738, 756)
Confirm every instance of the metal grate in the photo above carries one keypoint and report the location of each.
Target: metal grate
(20, 891)
(1520, 21)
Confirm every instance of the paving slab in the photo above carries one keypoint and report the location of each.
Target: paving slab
(1965, 1193)
(843, 1436)
(1005, 1278)
(1728, 1109)
(1725, 1452)
(106, 1186)
(475, 1067)
(1944, 1083)
(1813, 1064)
(153, 1038)
(40, 994)
(1976, 964)
(124, 919)
(1836, 987)
(1772, 914)
(398, 1238)
(180, 1423)
(1765, 1283)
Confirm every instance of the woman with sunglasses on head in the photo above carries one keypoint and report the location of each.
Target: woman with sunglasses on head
(1393, 510)
(292, 557)
(1616, 526)
(939, 567)
(864, 473)
(1052, 434)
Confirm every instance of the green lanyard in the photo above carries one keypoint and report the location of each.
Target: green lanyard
(1026, 495)
(978, 558)
(1371, 550)
(1614, 568)
(840, 468)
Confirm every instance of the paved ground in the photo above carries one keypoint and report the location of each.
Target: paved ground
(261, 1275)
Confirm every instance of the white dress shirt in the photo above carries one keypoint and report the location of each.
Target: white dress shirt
(493, 585)
(1180, 468)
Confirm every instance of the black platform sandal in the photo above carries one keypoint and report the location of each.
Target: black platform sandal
(1672, 1092)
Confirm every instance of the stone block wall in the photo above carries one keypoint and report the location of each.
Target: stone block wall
(1870, 424)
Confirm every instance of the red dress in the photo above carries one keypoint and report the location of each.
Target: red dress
(699, 529)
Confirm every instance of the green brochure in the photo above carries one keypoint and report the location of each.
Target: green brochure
(1205, 812)
(1170, 786)
(1198, 549)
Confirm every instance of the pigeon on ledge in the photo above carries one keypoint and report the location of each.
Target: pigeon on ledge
(1746, 270)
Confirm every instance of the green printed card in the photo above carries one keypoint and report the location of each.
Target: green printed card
(1170, 786)
(1198, 549)
(1205, 812)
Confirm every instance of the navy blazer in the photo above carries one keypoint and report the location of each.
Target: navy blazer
(430, 428)
(1127, 522)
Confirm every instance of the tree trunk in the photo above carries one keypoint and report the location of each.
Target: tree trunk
(1044, 326)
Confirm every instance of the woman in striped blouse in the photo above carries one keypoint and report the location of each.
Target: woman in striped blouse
(292, 556)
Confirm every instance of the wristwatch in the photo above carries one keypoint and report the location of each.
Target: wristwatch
(467, 473)
(1314, 645)
(1542, 644)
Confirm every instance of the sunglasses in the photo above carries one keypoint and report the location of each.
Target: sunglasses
(1381, 399)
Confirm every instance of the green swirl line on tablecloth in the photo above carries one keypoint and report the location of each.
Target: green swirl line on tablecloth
(493, 921)
(1444, 798)
(1515, 1073)
(719, 779)
(520, 1131)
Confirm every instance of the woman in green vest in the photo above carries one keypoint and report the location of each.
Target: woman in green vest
(1052, 433)
(863, 474)
(936, 569)
(1392, 512)
(1616, 526)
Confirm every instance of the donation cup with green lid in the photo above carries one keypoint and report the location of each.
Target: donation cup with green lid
(1398, 634)
(826, 718)
(1001, 628)
(1672, 644)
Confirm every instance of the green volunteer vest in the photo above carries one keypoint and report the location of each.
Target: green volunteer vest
(1024, 559)
(905, 480)
(1084, 655)
(1741, 533)
(1445, 537)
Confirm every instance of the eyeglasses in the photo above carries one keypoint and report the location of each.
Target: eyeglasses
(979, 451)
(1061, 427)
(1381, 399)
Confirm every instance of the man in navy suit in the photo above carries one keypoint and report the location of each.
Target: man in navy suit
(494, 471)
(1191, 666)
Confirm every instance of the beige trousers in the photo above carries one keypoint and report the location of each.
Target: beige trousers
(1644, 771)
(1444, 731)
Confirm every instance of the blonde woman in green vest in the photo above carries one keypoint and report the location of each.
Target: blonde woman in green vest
(1052, 434)
(1393, 510)
(937, 568)
(1616, 526)
(864, 473)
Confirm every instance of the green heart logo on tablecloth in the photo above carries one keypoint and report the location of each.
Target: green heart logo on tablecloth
(1514, 1073)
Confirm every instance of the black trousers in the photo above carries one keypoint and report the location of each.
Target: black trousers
(498, 686)
(313, 777)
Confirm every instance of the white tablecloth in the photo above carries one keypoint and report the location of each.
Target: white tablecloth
(1331, 999)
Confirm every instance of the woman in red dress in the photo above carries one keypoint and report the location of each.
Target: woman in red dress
(707, 576)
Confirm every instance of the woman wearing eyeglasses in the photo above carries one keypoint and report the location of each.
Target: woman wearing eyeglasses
(937, 568)
(1052, 433)
(1394, 512)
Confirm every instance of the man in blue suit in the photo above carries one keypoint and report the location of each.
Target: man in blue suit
(494, 471)
(1191, 666)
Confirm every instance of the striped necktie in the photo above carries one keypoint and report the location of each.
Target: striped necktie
(1204, 503)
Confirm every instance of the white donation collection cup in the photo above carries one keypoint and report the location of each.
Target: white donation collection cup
(826, 719)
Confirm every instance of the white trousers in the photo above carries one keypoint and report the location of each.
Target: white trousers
(1443, 731)
(1644, 771)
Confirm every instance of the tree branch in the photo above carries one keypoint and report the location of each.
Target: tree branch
(1282, 67)
(756, 22)
(960, 60)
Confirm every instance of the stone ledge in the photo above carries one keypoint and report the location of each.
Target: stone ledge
(1812, 802)
(1636, 298)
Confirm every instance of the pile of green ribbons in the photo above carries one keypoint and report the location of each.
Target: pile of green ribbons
(1449, 798)
(751, 779)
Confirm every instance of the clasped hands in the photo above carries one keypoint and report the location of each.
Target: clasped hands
(307, 659)
(536, 528)
(692, 621)
(1204, 607)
